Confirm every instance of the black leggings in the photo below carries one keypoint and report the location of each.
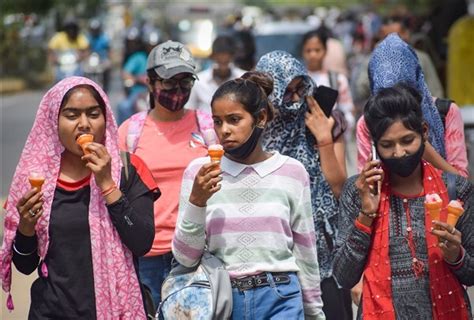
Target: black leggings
(337, 302)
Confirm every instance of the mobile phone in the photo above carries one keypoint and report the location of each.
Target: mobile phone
(326, 98)
(375, 190)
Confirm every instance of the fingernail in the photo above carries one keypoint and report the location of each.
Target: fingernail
(431, 229)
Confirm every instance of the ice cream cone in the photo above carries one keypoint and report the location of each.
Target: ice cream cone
(434, 204)
(83, 140)
(36, 180)
(216, 151)
(455, 210)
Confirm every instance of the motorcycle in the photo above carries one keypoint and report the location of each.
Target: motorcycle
(67, 64)
(96, 68)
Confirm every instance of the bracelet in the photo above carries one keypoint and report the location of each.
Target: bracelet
(323, 144)
(462, 253)
(109, 190)
(21, 253)
(370, 215)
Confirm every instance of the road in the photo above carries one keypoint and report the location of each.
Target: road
(17, 113)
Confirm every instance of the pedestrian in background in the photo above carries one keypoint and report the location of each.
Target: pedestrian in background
(221, 70)
(167, 137)
(302, 131)
(85, 226)
(253, 213)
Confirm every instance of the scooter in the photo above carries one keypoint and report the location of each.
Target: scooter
(67, 64)
(95, 68)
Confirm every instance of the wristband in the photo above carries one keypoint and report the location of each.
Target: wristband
(109, 190)
(370, 215)
(323, 144)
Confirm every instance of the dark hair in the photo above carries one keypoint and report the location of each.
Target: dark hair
(153, 77)
(223, 44)
(89, 88)
(321, 33)
(251, 90)
(403, 21)
(400, 102)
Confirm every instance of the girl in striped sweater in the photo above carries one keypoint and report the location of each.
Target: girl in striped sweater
(254, 212)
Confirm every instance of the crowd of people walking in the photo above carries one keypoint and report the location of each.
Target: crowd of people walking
(295, 234)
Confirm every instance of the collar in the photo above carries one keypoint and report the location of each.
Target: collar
(262, 168)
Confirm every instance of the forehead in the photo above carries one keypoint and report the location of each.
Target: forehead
(295, 82)
(80, 98)
(396, 131)
(313, 42)
(226, 105)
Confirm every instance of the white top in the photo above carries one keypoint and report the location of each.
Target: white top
(204, 88)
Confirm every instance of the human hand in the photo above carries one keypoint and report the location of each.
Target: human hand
(450, 240)
(100, 163)
(368, 182)
(356, 293)
(317, 122)
(30, 209)
(206, 183)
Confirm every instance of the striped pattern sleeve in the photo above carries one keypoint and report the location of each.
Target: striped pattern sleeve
(189, 237)
(305, 252)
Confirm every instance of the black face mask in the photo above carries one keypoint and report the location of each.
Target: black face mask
(243, 151)
(405, 165)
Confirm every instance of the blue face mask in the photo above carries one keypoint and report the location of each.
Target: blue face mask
(243, 151)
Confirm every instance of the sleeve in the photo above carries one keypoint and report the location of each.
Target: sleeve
(305, 253)
(456, 152)
(465, 270)
(132, 215)
(25, 254)
(363, 143)
(353, 240)
(344, 101)
(189, 236)
(122, 135)
(131, 65)
(53, 43)
(82, 42)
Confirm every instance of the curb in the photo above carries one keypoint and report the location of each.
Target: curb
(11, 85)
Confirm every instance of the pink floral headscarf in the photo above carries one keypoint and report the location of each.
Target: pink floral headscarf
(117, 291)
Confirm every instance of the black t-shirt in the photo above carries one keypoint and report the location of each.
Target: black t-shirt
(68, 291)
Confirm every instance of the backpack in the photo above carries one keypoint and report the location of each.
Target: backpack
(148, 303)
(202, 292)
(443, 108)
(206, 134)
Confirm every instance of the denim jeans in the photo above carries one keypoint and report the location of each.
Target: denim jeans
(153, 271)
(276, 301)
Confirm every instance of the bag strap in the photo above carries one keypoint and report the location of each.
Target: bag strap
(452, 192)
(206, 127)
(125, 157)
(135, 128)
(333, 83)
(443, 108)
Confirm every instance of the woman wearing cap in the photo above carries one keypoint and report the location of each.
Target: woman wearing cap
(167, 137)
(84, 227)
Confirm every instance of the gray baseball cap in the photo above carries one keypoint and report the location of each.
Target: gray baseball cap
(170, 58)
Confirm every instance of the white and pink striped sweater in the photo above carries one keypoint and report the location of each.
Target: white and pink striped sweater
(260, 221)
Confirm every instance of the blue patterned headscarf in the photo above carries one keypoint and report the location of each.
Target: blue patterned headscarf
(287, 134)
(394, 61)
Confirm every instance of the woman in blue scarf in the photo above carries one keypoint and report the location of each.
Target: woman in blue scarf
(302, 131)
(394, 61)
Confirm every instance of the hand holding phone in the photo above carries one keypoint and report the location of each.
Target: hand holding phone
(326, 98)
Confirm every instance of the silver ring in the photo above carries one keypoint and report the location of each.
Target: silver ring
(445, 242)
(453, 231)
(32, 213)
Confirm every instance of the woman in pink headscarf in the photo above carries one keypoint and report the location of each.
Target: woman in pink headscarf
(84, 227)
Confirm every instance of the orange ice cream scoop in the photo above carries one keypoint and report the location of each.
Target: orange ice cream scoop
(36, 180)
(455, 210)
(83, 140)
(215, 151)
